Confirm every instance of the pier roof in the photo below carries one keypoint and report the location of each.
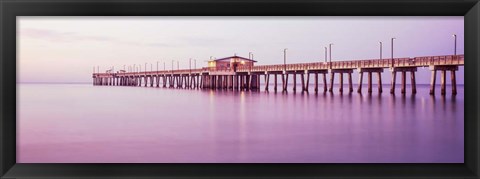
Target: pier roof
(235, 56)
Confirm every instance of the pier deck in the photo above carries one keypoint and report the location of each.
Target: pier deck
(248, 78)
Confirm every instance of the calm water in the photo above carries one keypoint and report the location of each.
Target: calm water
(84, 123)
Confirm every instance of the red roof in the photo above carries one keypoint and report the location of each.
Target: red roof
(228, 58)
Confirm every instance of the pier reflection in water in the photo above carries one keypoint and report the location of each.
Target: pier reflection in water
(85, 123)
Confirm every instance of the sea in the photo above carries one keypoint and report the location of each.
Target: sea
(83, 123)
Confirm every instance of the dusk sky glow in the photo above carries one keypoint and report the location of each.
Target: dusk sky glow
(65, 49)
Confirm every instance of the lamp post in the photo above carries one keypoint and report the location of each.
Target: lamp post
(178, 65)
(285, 59)
(249, 55)
(195, 63)
(381, 50)
(392, 50)
(145, 68)
(157, 66)
(190, 65)
(455, 47)
(330, 54)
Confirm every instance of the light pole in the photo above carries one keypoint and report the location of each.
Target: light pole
(145, 67)
(392, 50)
(178, 65)
(455, 47)
(195, 63)
(249, 55)
(151, 67)
(285, 59)
(190, 65)
(330, 54)
(157, 66)
(381, 50)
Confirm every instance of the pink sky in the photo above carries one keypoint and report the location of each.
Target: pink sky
(65, 49)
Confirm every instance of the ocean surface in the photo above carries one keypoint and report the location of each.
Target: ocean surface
(82, 123)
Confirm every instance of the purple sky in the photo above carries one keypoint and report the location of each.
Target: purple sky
(65, 49)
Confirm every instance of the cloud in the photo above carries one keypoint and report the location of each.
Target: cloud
(60, 36)
(68, 37)
(55, 36)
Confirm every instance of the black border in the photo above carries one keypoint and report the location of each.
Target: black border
(9, 9)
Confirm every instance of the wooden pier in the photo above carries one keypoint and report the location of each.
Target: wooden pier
(248, 77)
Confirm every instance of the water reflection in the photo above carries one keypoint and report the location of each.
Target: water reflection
(235, 126)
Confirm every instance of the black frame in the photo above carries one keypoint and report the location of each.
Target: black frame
(9, 9)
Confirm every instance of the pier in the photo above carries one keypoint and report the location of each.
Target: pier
(239, 73)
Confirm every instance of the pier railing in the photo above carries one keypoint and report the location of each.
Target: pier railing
(352, 64)
(371, 63)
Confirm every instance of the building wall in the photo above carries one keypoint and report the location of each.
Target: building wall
(228, 64)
